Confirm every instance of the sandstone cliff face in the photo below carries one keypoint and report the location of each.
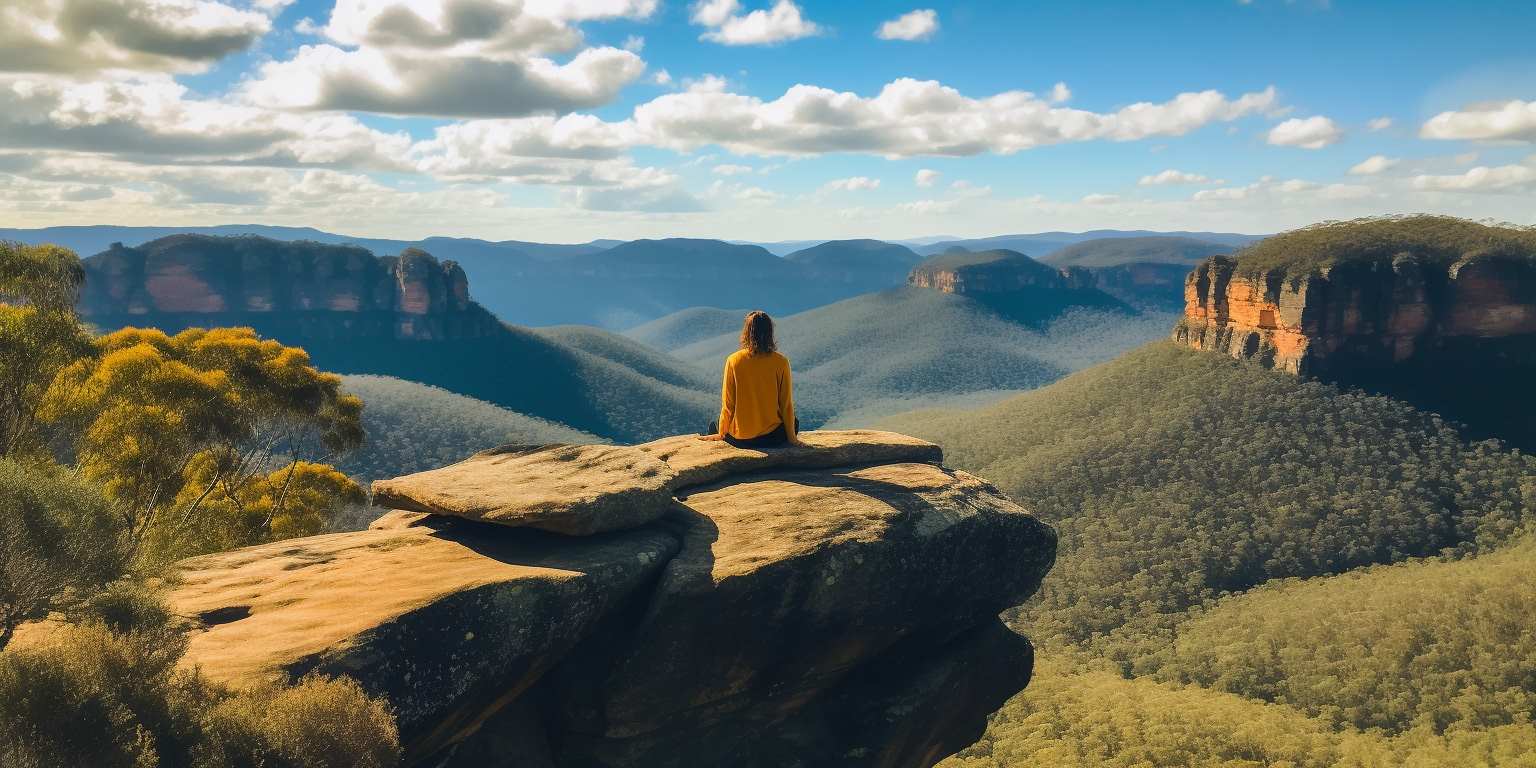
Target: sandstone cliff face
(826, 606)
(333, 291)
(1366, 316)
(994, 272)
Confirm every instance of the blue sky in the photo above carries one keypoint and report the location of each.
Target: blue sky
(568, 120)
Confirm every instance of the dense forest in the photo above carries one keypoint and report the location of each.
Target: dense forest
(877, 353)
(119, 454)
(1225, 589)
(413, 427)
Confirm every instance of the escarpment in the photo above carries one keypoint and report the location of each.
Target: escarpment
(835, 605)
(285, 289)
(1440, 311)
(994, 272)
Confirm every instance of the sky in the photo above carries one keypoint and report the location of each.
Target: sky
(572, 120)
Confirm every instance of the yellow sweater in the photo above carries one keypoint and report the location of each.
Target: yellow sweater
(756, 396)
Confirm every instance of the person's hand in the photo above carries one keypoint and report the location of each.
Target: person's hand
(711, 438)
(798, 443)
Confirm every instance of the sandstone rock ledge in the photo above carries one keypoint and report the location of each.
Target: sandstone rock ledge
(833, 606)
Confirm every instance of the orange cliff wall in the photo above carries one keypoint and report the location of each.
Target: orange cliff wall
(303, 289)
(1371, 316)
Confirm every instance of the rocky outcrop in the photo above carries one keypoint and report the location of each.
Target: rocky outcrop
(294, 288)
(1369, 315)
(830, 606)
(994, 272)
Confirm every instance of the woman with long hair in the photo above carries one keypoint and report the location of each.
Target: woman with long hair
(757, 399)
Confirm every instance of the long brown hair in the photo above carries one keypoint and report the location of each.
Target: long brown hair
(757, 333)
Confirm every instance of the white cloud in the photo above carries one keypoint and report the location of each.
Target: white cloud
(665, 199)
(780, 23)
(324, 77)
(634, 44)
(1379, 124)
(851, 184)
(85, 36)
(730, 169)
(928, 207)
(1373, 165)
(963, 188)
(1172, 176)
(913, 117)
(920, 24)
(744, 193)
(662, 77)
(925, 177)
(1289, 191)
(574, 149)
(1504, 178)
(1099, 199)
(1508, 121)
(1307, 133)
(1060, 93)
(454, 58)
(153, 118)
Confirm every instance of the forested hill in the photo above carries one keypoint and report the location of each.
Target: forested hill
(1177, 479)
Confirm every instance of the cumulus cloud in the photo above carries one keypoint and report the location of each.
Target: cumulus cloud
(1379, 124)
(1503, 178)
(1373, 165)
(1289, 190)
(928, 207)
(728, 26)
(1100, 199)
(742, 193)
(1307, 133)
(324, 77)
(83, 36)
(731, 169)
(454, 58)
(963, 188)
(573, 149)
(851, 184)
(1172, 176)
(915, 117)
(1507, 121)
(154, 119)
(667, 199)
(920, 24)
(925, 177)
(1060, 93)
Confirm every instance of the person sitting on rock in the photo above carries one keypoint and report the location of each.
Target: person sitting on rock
(757, 399)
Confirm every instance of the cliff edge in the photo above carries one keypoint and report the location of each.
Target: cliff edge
(677, 603)
(282, 288)
(1438, 310)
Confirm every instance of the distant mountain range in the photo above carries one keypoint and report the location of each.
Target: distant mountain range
(619, 285)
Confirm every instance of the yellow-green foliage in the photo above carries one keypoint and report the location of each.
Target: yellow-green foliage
(90, 696)
(1430, 644)
(183, 432)
(1099, 720)
(39, 334)
(318, 722)
(1433, 239)
(59, 543)
(1175, 476)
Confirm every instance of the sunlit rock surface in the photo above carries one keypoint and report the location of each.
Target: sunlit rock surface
(835, 606)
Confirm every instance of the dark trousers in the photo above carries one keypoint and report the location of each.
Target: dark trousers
(773, 439)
